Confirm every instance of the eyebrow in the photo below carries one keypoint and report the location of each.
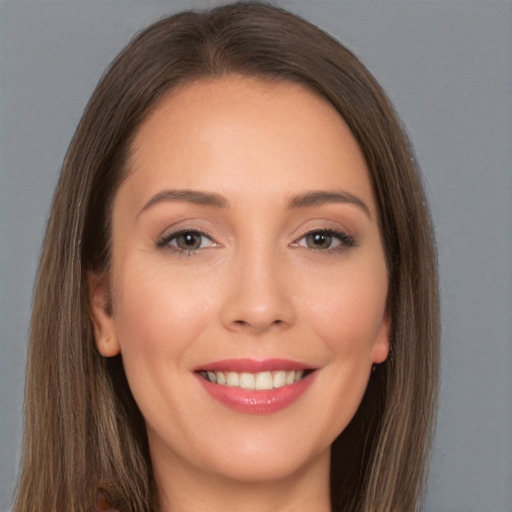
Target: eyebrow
(320, 197)
(306, 200)
(189, 196)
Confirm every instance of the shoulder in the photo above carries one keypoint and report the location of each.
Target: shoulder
(104, 503)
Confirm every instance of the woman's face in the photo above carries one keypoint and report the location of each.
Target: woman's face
(246, 249)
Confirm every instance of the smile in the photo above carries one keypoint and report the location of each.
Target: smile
(256, 386)
(259, 381)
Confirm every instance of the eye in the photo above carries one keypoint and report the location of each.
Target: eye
(326, 239)
(186, 241)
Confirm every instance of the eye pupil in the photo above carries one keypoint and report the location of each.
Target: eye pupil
(319, 240)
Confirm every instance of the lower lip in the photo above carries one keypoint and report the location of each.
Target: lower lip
(257, 402)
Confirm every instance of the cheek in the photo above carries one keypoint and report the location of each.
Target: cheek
(158, 316)
(348, 311)
(347, 315)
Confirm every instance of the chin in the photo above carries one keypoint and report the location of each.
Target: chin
(264, 468)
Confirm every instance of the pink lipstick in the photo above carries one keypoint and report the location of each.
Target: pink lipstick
(256, 386)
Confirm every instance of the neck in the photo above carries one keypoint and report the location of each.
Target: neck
(187, 489)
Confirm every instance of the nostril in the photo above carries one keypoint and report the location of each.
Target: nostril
(257, 326)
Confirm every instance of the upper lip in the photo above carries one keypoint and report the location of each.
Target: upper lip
(254, 365)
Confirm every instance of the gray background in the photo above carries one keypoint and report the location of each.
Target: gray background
(447, 67)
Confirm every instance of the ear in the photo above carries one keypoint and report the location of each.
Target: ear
(100, 310)
(380, 349)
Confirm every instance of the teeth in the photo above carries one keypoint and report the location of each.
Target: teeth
(232, 379)
(279, 379)
(264, 380)
(247, 381)
(255, 381)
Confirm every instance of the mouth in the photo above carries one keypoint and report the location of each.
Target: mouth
(258, 381)
(256, 386)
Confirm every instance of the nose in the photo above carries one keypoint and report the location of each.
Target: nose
(259, 296)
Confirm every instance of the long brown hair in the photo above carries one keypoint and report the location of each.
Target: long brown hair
(82, 427)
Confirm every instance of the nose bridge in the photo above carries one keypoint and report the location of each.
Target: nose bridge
(259, 295)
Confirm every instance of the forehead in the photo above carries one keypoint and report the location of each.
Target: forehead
(235, 131)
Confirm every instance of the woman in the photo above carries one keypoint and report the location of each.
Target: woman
(237, 297)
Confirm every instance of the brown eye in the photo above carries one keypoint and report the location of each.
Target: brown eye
(319, 240)
(187, 241)
(326, 240)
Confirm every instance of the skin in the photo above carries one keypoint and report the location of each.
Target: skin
(255, 288)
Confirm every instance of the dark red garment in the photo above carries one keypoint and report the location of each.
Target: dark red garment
(104, 503)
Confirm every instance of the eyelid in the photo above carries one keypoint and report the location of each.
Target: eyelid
(346, 241)
(164, 241)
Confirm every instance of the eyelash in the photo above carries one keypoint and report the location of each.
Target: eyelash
(345, 241)
(165, 241)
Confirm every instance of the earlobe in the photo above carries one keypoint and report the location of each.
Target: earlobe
(100, 311)
(380, 350)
